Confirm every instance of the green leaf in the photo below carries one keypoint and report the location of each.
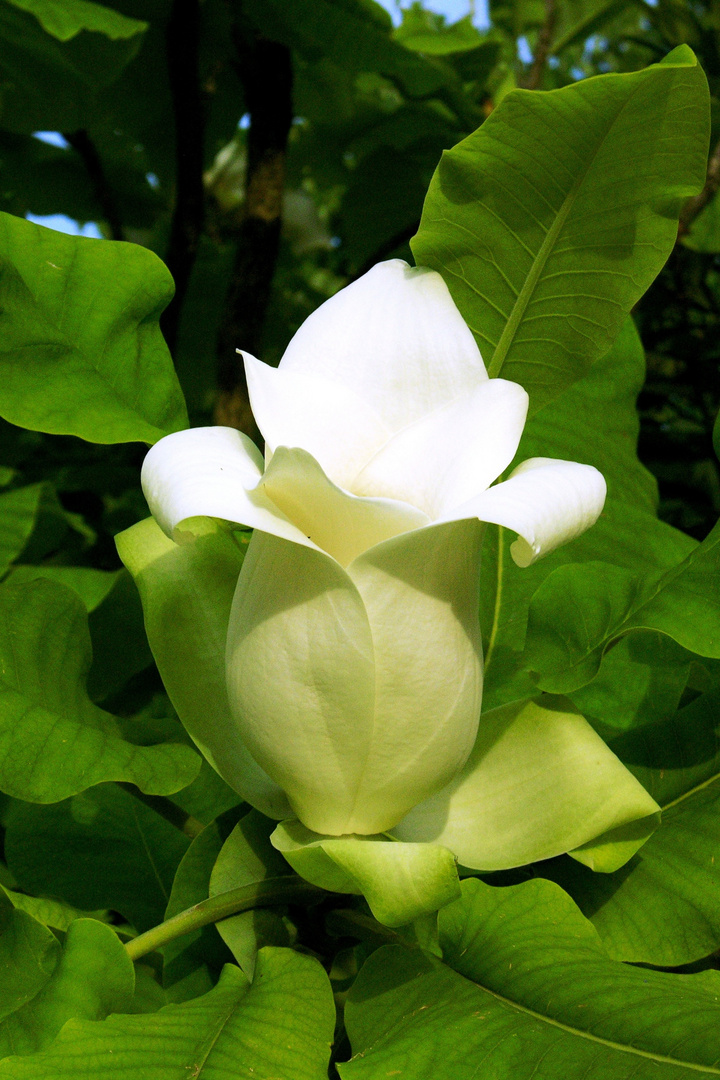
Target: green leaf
(53, 741)
(347, 32)
(401, 882)
(664, 907)
(532, 994)
(704, 234)
(66, 18)
(594, 421)
(247, 856)
(55, 85)
(18, 514)
(545, 229)
(100, 849)
(28, 955)
(281, 1026)
(92, 586)
(425, 32)
(579, 611)
(82, 352)
(93, 977)
(191, 885)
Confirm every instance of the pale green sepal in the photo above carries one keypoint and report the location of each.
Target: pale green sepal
(186, 590)
(401, 882)
(607, 853)
(539, 782)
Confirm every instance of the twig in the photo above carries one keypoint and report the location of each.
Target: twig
(182, 42)
(83, 145)
(542, 49)
(271, 891)
(694, 206)
(265, 70)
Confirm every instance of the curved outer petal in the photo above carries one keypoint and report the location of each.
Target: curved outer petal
(538, 783)
(342, 524)
(300, 676)
(421, 595)
(320, 415)
(186, 591)
(395, 339)
(546, 502)
(210, 472)
(449, 456)
(401, 882)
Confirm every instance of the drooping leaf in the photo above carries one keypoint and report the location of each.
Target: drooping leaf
(544, 228)
(28, 955)
(532, 994)
(100, 849)
(281, 1026)
(82, 352)
(53, 741)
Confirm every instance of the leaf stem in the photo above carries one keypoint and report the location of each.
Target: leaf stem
(167, 809)
(278, 890)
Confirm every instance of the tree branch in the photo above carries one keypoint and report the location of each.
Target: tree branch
(83, 145)
(542, 49)
(265, 70)
(694, 206)
(182, 42)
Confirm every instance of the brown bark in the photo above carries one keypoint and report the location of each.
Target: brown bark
(542, 49)
(265, 70)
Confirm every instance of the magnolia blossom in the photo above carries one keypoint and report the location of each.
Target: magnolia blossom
(353, 656)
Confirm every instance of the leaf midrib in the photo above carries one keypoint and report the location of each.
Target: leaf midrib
(709, 1070)
(523, 299)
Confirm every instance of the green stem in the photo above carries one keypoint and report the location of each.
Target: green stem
(166, 808)
(279, 890)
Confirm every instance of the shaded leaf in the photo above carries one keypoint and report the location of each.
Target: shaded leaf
(53, 740)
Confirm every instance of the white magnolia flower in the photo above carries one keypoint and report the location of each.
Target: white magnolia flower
(353, 653)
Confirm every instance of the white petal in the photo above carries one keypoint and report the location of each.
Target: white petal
(300, 677)
(320, 415)
(538, 783)
(210, 472)
(341, 524)
(546, 502)
(445, 458)
(421, 595)
(394, 338)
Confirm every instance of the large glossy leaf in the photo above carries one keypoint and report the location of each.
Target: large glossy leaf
(545, 228)
(82, 352)
(532, 995)
(100, 849)
(664, 906)
(280, 1027)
